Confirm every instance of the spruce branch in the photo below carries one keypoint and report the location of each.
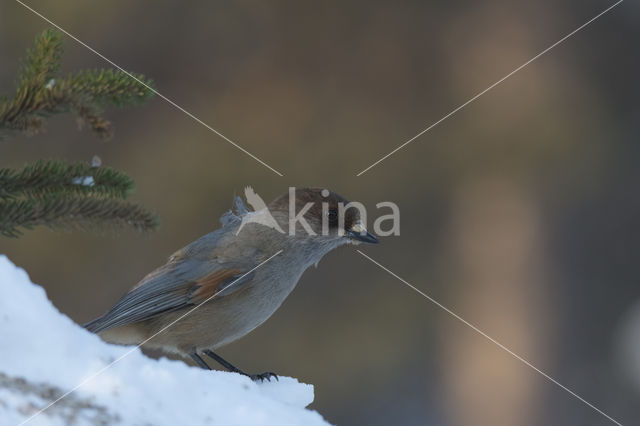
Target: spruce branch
(73, 213)
(43, 61)
(57, 177)
(106, 87)
(54, 193)
(68, 196)
(42, 93)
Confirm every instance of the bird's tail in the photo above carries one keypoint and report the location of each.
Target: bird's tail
(94, 326)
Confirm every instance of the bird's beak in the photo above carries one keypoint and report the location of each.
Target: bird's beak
(359, 233)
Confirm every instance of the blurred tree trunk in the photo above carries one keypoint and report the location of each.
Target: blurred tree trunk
(496, 246)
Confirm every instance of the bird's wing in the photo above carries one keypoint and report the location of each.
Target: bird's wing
(178, 284)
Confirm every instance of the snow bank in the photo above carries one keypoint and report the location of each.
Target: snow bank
(43, 354)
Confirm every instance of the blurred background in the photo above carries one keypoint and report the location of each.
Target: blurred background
(520, 212)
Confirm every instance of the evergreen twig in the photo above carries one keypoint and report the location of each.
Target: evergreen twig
(54, 193)
(41, 93)
(72, 213)
(57, 177)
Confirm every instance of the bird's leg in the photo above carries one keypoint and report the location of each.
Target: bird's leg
(199, 361)
(226, 364)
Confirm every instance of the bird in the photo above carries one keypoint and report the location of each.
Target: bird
(223, 285)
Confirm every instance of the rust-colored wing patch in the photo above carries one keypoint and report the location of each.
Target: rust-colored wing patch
(208, 285)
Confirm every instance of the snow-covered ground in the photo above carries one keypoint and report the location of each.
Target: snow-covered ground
(43, 354)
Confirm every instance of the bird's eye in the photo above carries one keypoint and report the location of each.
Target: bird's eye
(332, 214)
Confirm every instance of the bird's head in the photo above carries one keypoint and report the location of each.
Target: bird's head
(321, 214)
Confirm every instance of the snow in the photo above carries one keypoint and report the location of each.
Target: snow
(45, 354)
(83, 180)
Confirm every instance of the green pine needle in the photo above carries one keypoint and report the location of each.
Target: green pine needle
(42, 93)
(109, 87)
(43, 61)
(57, 177)
(92, 214)
(54, 193)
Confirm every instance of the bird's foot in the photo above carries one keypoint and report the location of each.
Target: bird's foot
(262, 376)
(226, 364)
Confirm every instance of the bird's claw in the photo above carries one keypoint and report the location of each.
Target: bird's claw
(262, 376)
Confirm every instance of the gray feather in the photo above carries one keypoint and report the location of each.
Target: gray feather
(170, 287)
(231, 217)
